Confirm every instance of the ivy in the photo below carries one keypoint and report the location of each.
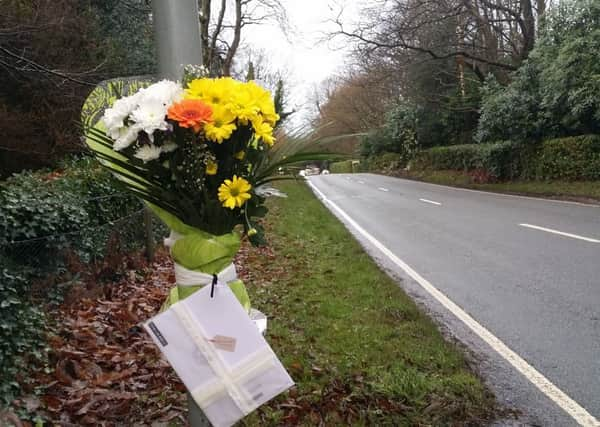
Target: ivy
(22, 327)
(46, 217)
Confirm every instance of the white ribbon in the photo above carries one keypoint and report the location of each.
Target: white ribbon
(186, 277)
(227, 381)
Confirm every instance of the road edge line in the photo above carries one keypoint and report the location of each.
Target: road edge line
(572, 408)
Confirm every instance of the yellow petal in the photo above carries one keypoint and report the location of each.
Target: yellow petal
(230, 203)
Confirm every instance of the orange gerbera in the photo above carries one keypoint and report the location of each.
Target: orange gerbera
(190, 113)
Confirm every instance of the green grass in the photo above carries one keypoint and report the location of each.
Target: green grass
(359, 349)
(576, 190)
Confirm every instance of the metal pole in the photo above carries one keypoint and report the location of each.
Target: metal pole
(177, 35)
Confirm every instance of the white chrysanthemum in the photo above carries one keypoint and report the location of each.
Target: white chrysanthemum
(147, 109)
(148, 152)
(150, 115)
(114, 117)
(125, 137)
(166, 91)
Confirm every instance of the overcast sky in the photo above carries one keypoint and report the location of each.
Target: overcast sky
(306, 56)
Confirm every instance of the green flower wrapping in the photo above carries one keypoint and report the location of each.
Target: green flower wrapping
(200, 252)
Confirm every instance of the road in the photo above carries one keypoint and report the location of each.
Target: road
(525, 270)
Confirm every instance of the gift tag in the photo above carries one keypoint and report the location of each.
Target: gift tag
(224, 343)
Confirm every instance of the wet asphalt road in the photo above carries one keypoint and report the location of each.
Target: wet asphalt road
(501, 259)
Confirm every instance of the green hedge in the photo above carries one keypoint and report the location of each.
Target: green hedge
(43, 216)
(345, 166)
(49, 206)
(501, 160)
(569, 159)
(386, 162)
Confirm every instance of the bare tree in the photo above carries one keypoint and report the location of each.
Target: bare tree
(492, 35)
(221, 27)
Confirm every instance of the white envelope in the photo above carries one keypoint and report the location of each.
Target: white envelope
(219, 354)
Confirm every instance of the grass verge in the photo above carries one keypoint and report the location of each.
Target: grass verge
(578, 190)
(359, 349)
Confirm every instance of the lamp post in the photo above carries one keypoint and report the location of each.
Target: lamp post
(177, 36)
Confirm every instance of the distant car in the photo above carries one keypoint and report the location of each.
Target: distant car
(324, 172)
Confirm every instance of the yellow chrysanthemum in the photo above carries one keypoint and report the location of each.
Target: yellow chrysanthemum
(211, 168)
(234, 192)
(264, 101)
(199, 89)
(234, 103)
(244, 106)
(212, 91)
(264, 131)
(222, 126)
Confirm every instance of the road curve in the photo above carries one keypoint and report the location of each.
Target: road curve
(527, 270)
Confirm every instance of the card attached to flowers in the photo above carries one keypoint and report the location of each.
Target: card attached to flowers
(219, 354)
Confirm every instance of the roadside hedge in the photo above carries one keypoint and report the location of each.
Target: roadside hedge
(345, 166)
(501, 160)
(386, 162)
(569, 159)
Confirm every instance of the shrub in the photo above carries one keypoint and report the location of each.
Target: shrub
(346, 166)
(556, 91)
(46, 218)
(501, 160)
(21, 332)
(511, 112)
(397, 135)
(39, 212)
(341, 167)
(569, 68)
(572, 158)
(386, 162)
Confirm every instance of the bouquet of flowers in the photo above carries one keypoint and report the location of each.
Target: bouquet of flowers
(200, 156)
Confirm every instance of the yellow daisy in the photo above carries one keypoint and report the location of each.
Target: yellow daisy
(234, 192)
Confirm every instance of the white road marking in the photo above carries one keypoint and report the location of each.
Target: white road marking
(382, 189)
(576, 411)
(361, 182)
(549, 230)
(431, 201)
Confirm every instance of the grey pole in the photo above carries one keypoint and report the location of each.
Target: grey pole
(177, 35)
